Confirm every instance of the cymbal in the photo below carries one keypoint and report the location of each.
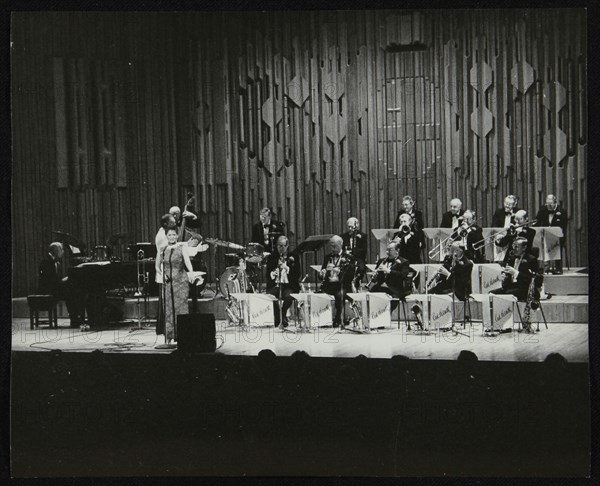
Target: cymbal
(226, 244)
(235, 246)
(275, 233)
(232, 255)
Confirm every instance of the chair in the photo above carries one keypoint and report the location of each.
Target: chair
(42, 303)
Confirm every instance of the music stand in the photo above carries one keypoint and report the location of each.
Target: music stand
(383, 235)
(547, 238)
(313, 243)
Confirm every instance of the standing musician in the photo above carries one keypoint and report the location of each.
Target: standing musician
(454, 276)
(408, 207)
(520, 229)
(470, 233)
(267, 230)
(453, 218)
(283, 276)
(520, 268)
(553, 215)
(410, 240)
(393, 276)
(505, 216)
(355, 244)
(337, 274)
(190, 217)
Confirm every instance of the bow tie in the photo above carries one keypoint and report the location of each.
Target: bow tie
(266, 225)
(508, 213)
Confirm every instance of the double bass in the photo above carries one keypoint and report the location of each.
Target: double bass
(197, 263)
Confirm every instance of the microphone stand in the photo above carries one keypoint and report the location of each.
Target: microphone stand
(281, 326)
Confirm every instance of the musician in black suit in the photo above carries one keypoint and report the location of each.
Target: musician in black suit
(505, 216)
(514, 232)
(283, 276)
(355, 244)
(52, 281)
(393, 275)
(454, 276)
(452, 218)
(337, 274)
(470, 234)
(408, 207)
(520, 268)
(267, 230)
(553, 215)
(409, 239)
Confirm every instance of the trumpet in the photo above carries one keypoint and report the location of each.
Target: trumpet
(511, 229)
(405, 229)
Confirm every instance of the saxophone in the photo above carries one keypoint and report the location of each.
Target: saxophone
(532, 303)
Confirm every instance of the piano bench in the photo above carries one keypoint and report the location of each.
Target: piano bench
(42, 303)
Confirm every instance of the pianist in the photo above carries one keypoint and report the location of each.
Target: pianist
(52, 281)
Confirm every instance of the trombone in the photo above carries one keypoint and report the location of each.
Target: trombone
(511, 229)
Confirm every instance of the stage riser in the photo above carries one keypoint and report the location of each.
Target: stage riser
(555, 311)
(567, 284)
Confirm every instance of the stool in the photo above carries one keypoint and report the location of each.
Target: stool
(45, 303)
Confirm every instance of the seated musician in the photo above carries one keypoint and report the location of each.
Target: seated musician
(355, 244)
(337, 274)
(410, 240)
(408, 207)
(505, 216)
(53, 282)
(454, 276)
(553, 215)
(519, 230)
(393, 276)
(283, 276)
(267, 230)
(520, 267)
(470, 234)
(453, 217)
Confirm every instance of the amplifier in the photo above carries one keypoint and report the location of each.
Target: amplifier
(196, 333)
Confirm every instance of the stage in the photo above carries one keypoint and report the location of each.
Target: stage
(568, 339)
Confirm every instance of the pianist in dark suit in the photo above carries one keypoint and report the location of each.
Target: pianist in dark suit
(453, 217)
(52, 281)
(553, 215)
(267, 231)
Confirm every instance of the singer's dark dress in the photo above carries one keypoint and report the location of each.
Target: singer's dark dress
(176, 287)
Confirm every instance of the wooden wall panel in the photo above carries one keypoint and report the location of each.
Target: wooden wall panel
(320, 115)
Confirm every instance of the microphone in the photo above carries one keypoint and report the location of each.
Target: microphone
(416, 309)
(304, 279)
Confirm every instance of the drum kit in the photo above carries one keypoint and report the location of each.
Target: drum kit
(244, 275)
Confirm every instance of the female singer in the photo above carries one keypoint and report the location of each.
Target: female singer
(174, 260)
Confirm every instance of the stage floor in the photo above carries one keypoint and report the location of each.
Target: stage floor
(568, 339)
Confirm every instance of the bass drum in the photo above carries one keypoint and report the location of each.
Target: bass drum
(230, 282)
